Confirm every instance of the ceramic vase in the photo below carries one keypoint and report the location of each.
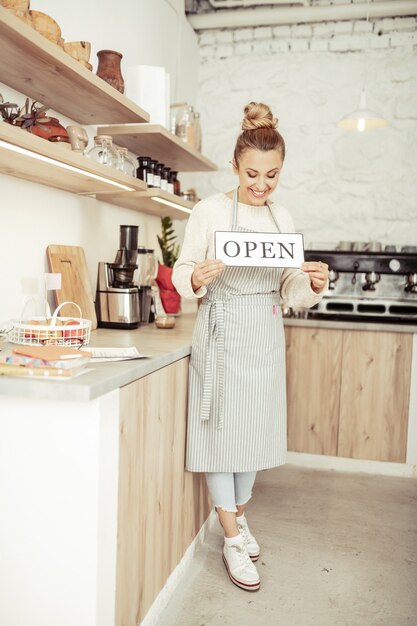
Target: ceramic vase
(109, 68)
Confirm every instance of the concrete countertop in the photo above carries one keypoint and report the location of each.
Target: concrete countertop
(163, 347)
(350, 325)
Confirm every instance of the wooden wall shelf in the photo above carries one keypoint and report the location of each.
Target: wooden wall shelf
(157, 142)
(43, 71)
(144, 202)
(20, 161)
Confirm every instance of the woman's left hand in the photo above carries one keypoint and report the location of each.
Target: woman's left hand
(318, 272)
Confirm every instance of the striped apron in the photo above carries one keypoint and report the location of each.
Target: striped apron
(237, 401)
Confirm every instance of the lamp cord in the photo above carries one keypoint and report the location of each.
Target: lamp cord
(367, 49)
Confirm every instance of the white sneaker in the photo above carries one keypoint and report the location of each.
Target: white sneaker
(242, 572)
(252, 545)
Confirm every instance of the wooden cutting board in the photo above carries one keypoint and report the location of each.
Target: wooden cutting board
(69, 261)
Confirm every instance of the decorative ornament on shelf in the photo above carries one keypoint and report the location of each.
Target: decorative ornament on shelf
(19, 8)
(363, 118)
(78, 138)
(109, 68)
(80, 51)
(47, 27)
(35, 121)
(170, 298)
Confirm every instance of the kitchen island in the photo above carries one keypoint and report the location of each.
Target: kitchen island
(97, 509)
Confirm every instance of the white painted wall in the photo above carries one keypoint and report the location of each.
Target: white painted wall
(337, 185)
(32, 216)
(146, 32)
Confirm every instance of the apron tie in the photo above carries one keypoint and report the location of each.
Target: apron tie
(214, 340)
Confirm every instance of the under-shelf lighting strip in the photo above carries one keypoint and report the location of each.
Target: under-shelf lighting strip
(169, 203)
(65, 166)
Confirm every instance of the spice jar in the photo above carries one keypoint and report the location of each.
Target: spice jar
(158, 174)
(165, 178)
(173, 180)
(152, 168)
(103, 151)
(143, 170)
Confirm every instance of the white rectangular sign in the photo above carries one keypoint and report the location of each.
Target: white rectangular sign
(259, 249)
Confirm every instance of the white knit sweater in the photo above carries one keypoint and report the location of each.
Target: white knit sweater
(215, 213)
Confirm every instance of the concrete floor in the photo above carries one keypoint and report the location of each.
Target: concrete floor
(336, 550)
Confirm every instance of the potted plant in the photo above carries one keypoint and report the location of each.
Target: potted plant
(10, 111)
(170, 298)
(35, 121)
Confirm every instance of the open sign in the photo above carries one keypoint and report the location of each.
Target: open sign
(259, 249)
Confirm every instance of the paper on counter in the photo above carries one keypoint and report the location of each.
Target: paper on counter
(106, 355)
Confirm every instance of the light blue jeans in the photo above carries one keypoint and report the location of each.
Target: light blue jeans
(230, 488)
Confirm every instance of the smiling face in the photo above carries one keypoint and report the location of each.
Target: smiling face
(258, 173)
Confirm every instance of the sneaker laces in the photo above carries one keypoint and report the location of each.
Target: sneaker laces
(244, 530)
(243, 555)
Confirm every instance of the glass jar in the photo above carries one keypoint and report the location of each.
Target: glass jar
(197, 132)
(184, 127)
(165, 177)
(158, 174)
(143, 170)
(103, 151)
(152, 167)
(170, 184)
(190, 126)
(124, 163)
(173, 180)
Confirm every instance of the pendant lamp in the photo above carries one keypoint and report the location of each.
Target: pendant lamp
(363, 118)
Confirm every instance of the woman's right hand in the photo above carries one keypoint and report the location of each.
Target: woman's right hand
(205, 272)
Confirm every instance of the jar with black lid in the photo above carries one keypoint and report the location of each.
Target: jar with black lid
(165, 178)
(175, 182)
(142, 172)
(158, 174)
(170, 184)
(152, 166)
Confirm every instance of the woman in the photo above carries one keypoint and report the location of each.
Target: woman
(237, 406)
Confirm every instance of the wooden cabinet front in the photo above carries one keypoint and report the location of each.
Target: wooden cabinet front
(313, 389)
(348, 392)
(161, 506)
(375, 395)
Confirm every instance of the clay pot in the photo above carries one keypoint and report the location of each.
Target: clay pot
(79, 50)
(51, 130)
(109, 68)
(46, 26)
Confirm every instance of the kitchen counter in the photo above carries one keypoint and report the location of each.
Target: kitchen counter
(350, 325)
(163, 347)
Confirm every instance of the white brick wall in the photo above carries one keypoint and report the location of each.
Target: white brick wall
(338, 36)
(337, 185)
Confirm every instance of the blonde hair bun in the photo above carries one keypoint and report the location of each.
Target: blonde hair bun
(258, 115)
